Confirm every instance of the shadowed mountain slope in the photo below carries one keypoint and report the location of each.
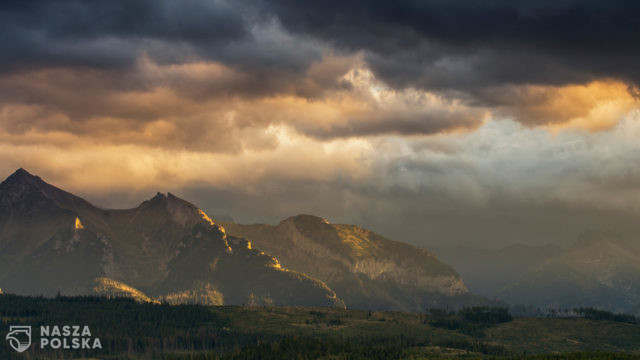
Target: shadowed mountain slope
(365, 269)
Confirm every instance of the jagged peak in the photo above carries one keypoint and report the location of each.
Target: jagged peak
(22, 176)
(22, 183)
(22, 172)
(159, 197)
(169, 197)
(182, 211)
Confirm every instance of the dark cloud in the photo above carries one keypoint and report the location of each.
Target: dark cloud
(111, 33)
(265, 109)
(109, 69)
(433, 44)
(116, 34)
(136, 62)
(459, 43)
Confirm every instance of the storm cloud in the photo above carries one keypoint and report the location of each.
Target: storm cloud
(73, 57)
(408, 117)
(489, 42)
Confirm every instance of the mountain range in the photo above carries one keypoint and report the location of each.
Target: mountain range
(167, 249)
(365, 269)
(600, 270)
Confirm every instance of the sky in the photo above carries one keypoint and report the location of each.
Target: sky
(439, 123)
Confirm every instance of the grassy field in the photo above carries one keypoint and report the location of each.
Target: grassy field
(130, 330)
(546, 335)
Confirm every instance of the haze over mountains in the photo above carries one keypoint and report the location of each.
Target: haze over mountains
(486, 271)
(168, 249)
(600, 269)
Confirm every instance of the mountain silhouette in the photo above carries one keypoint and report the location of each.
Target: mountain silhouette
(167, 249)
(53, 242)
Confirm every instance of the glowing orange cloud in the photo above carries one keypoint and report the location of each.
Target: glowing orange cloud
(596, 106)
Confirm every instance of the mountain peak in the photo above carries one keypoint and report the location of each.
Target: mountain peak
(22, 187)
(181, 211)
(22, 171)
(22, 176)
(159, 197)
(19, 184)
(168, 198)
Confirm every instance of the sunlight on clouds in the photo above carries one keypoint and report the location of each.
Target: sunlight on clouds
(103, 168)
(597, 106)
(204, 124)
(606, 104)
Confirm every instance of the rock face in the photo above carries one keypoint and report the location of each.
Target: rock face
(52, 241)
(365, 269)
(600, 270)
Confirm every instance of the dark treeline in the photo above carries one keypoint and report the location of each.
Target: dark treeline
(473, 320)
(297, 347)
(131, 330)
(122, 325)
(128, 329)
(291, 350)
(592, 355)
(583, 312)
(595, 314)
(470, 321)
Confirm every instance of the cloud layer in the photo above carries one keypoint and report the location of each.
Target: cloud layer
(410, 117)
